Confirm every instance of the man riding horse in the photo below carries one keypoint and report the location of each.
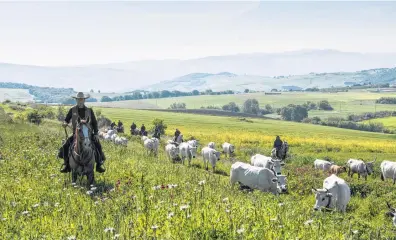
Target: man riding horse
(82, 112)
(177, 134)
(157, 132)
(278, 145)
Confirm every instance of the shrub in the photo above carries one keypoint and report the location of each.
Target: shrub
(161, 124)
(231, 107)
(325, 105)
(251, 106)
(177, 106)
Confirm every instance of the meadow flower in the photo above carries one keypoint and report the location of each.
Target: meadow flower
(188, 215)
(184, 207)
(156, 187)
(154, 227)
(355, 231)
(13, 204)
(273, 219)
(281, 204)
(116, 236)
(4, 219)
(71, 238)
(46, 204)
(227, 210)
(170, 215)
(201, 182)
(36, 205)
(241, 230)
(89, 192)
(172, 185)
(25, 212)
(109, 229)
(175, 204)
(308, 222)
(225, 199)
(93, 188)
(56, 204)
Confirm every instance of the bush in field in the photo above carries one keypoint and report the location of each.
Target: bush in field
(231, 107)
(294, 113)
(177, 106)
(160, 123)
(251, 106)
(325, 105)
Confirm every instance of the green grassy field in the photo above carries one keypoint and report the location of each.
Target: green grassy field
(344, 103)
(38, 202)
(389, 122)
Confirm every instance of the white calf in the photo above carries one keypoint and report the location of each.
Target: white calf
(210, 155)
(228, 149)
(388, 170)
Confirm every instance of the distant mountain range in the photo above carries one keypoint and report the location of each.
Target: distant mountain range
(230, 81)
(246, 69)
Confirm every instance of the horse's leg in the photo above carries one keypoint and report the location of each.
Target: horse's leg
(74, 176)
(91, 178)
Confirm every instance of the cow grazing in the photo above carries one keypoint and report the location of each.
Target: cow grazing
(281, 185)
(391, 213)
(172, 151)
(212, 145)
(152, 145)
(228, 149)
(359, 167)
(211, 156)
(144, 138)
(187, 151)
(253, 177)
(388, 170)
(259, 160)
(335, 169)
(121, 141)
(335, 194)
(193, 143)
(322, 164)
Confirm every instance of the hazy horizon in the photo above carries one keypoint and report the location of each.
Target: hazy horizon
(87, 33)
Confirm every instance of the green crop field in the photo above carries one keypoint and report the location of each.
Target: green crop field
(344, 103)
(38, 202)
(388, 122)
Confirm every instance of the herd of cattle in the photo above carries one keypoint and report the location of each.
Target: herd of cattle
(265, 172)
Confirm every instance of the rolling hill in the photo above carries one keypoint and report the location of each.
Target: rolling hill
(127, 76)
(230, 81)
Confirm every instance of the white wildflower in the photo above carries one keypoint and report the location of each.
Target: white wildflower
(225, 199)
(170, 215)
(241, 230)
(175, 204)
(109, 229)
(184, 207)
(188, 215)
(112, 190)
(25, 212)
(4, 219)
(74, 184)
(36, 205)
(71, 238)
(227, 210)
(154, 227)
(116, 236)
(281, 204)
(202, 182)
(156, 187)
(172, 185)
(56, 204)
(273, 219)
(308, 222)
(355, 231)
(89, 192)
(93, 188)
(46, 204)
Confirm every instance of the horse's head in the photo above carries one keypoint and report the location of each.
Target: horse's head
(83, 133)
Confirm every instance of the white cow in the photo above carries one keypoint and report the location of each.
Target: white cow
(253, 177)
(212, 145)
(187, 151)
(259, 160)
(111, 132)
(281, 185)
(172, 151)
(152, 145)
(392, 213)
(322, 164)
(121, 141)
(335, 194)
(113, 137)
(144, 138)
(388, 170)
(210, 155)
(359, 167)
(228, 149)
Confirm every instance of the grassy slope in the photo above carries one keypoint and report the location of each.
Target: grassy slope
(389, 122)
(30, 176)
(343, 103)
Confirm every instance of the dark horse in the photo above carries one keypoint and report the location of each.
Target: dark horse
(82, 153)
(282, 154)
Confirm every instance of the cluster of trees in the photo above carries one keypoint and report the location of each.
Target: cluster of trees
(72, 101)
(136, 95)
(344, 123)
(370, 115)
(231, 107)
(44, 94)
(177, 106)
(386, 100)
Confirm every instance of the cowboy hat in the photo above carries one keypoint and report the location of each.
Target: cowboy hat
(81, 95)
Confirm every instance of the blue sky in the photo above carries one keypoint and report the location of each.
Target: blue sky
(73, 33)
